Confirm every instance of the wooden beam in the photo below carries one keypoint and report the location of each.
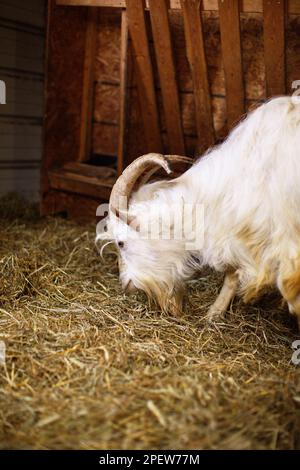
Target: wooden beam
(123, 91)
(251, 6)
(88, 86)
(85, 169)
(196, 56)
(274, 46)
(94, 3)
(145, 80)
(63, 89)
(167, 74)
(232, 59)
(65, 179)
(78, 207)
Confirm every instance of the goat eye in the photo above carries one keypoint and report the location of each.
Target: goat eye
(120, 244)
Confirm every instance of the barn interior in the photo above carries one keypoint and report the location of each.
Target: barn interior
(90, 85)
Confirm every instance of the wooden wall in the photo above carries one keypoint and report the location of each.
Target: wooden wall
(108, 66)
(107, 78)
(22, 32)
(107, 83)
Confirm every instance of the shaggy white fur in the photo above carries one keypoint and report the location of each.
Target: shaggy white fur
(249, 189)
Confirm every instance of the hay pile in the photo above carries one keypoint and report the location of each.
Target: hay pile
(89, 368)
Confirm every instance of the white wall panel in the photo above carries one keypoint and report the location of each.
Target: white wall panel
(22, 38)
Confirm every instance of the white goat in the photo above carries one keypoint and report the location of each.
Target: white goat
(249, 188)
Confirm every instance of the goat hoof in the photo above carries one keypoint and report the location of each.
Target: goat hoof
(214, 315)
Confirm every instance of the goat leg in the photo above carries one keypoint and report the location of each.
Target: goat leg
(228, 291)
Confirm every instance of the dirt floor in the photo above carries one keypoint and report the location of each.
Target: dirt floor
(87, 367)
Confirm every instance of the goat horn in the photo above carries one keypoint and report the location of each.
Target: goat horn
(179, 158)
(120, 194)
(170, 158)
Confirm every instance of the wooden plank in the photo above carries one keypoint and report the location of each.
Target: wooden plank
(24, 89)
(95, 3)
(254, 6)
(274, 46)
(167, 75)
(88, 85)
(78, 207)
(232, 59)
(196, 56)
(17, 13)
(32, 5)
(123, 91)
(22, 180)
(14, 165)
(100, 172)
(16, 150)
(21, 50)
(138, 33)
(12, 128)
(20, 143)
(105, 139)
(64, 78)
(25, 98)
(107, 67)
(107, 103)
(80, 184)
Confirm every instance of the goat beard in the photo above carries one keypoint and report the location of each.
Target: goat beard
(174, 304)
(168, 300)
